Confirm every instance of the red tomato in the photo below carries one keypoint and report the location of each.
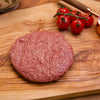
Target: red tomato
(63, 22)
(63, 10)
(74, 12)
(77, 26)
(89, 21)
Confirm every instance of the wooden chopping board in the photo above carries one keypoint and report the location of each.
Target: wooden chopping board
(82, 79)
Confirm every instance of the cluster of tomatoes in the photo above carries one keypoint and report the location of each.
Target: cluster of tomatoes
(75, 18)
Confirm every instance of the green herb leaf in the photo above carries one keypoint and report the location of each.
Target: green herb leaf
(14, 1)
(7, 1)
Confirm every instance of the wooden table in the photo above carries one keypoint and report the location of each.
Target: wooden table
(28, 3)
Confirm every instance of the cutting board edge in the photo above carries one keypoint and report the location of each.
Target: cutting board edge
(56, 97)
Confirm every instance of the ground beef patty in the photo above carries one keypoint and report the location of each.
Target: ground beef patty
(42, 56)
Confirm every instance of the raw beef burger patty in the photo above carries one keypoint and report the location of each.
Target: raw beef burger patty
(42, 56)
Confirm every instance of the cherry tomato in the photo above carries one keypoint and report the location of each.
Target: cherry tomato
(63, 10)
(74, 12)
(63, 22)
(89, 21)
(77, 26)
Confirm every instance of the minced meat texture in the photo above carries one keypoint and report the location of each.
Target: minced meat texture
(42, 56)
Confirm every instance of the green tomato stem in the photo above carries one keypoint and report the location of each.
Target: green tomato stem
(69, 14)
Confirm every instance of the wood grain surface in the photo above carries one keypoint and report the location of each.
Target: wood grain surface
(82, 79)
(29, 3)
